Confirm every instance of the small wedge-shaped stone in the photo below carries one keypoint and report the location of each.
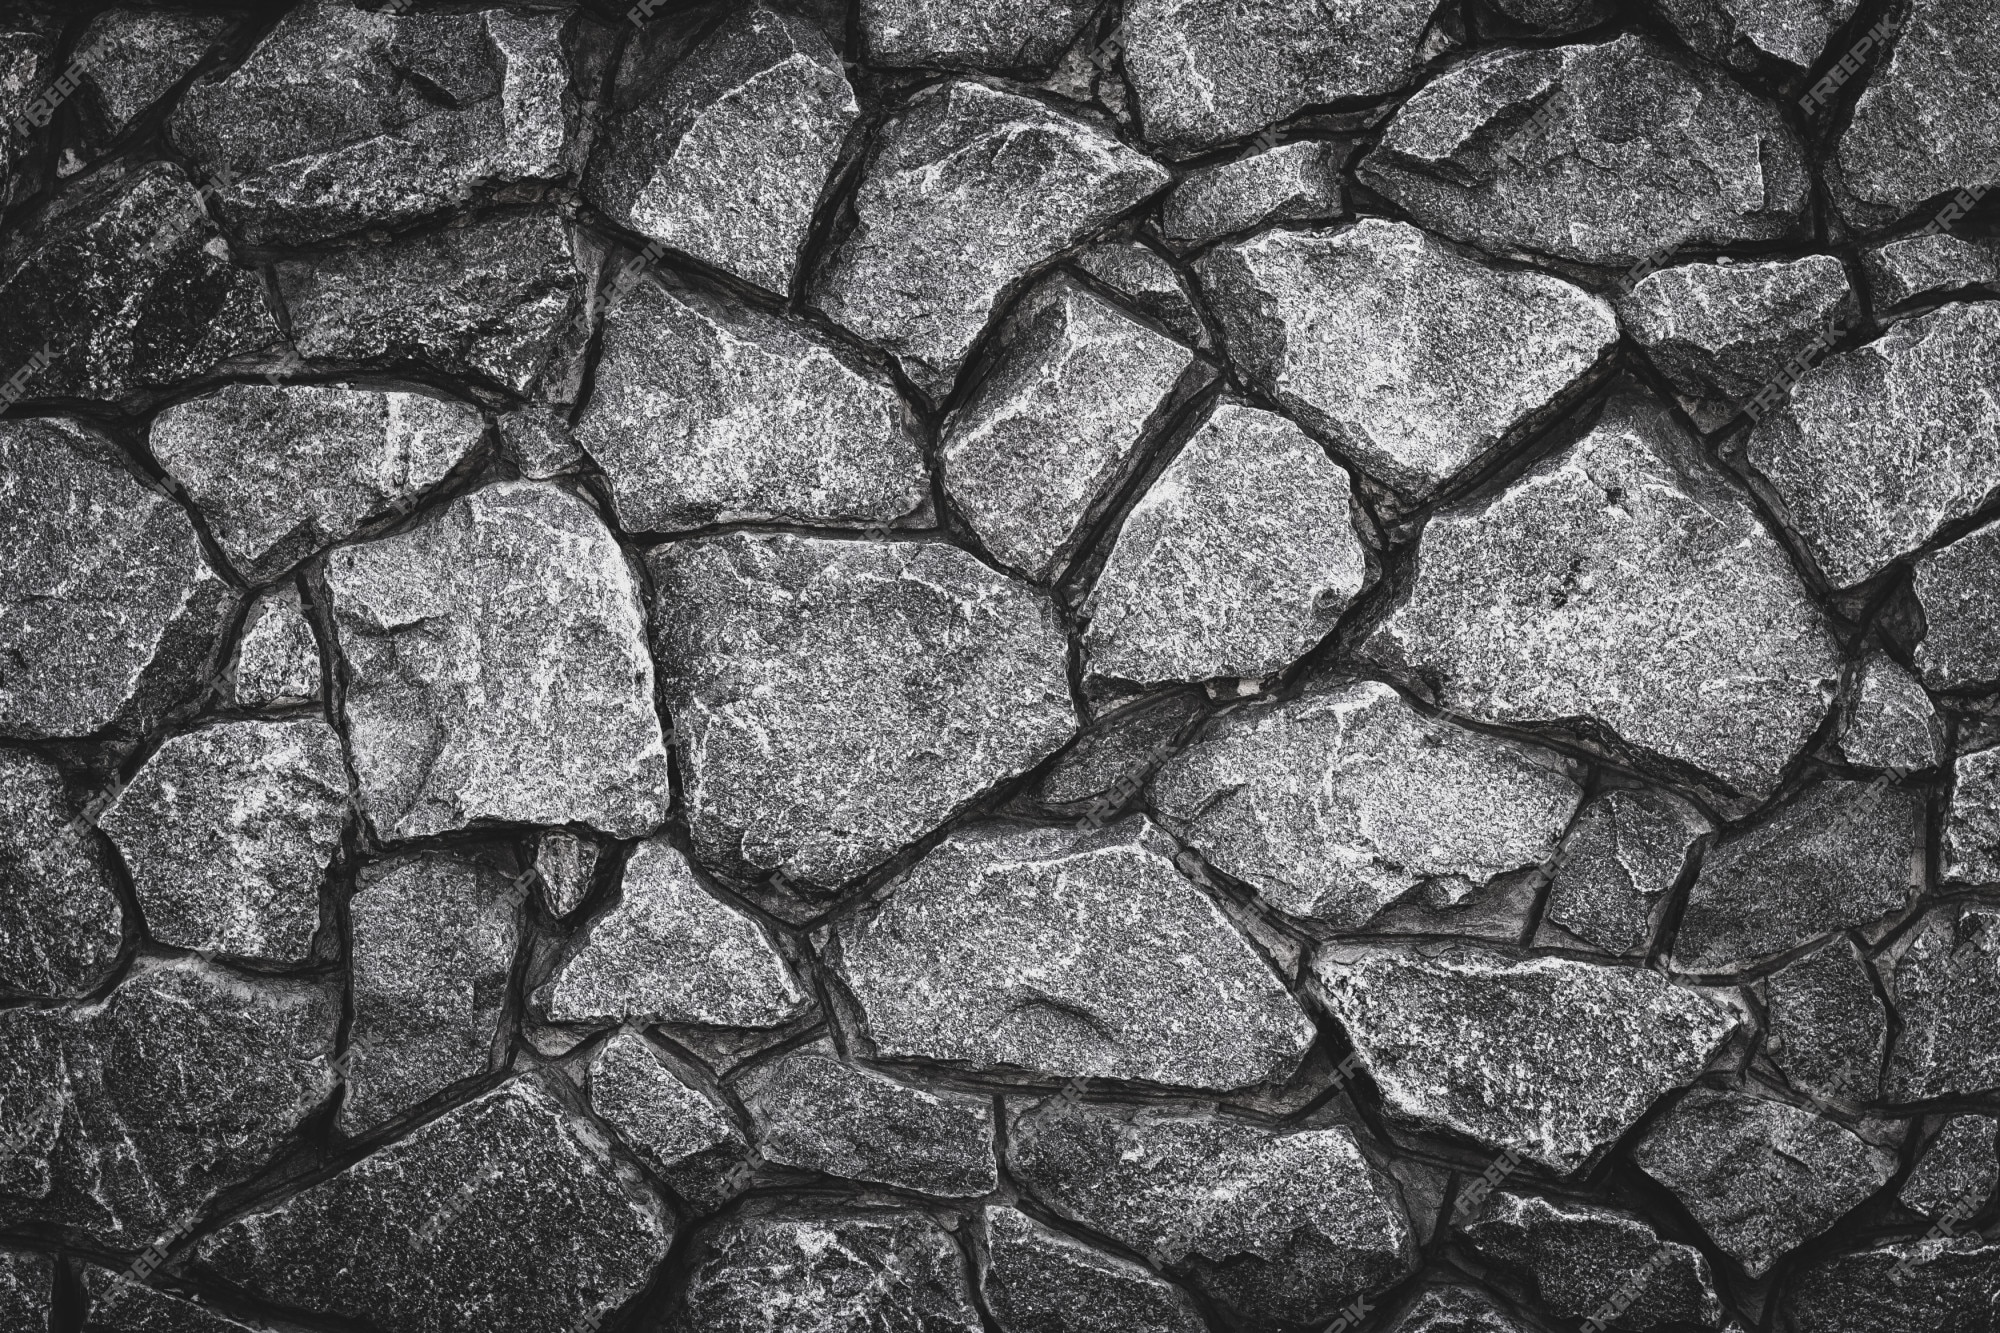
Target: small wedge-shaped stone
(1761, 1177)
(841, 699)
(566, 865)
(1417, 362)
(1294, 182)
(1149, 285)
(685, 1135)
(60, 922)
(1039, 1280)
(282, 471)
(1337, 803)
(672, 952)
(1280, 1227)
(1959, 590)
(136, 56)
(497, 670)
(1456, 1310)
(1746, 34)
(707, 411)
(1972, 826)
(1618, 861)
(507, 1213)
(1604, 154)
(342, 118)
(1583, 1257)
(1072, 954)
(27, 1291)
(1826, 1028)
(107, 607)
(1056, 426)
(277, 656)
(1569, 596)
(1550, 1058)
(1889, 721)
(724, 156)
(1928, 264)
(1957, 1172)
(1945, 989)
(965, 190)
(117, 1304)
(979, 34)
(228, 832)
(1236, 562)
(1883, 446)
(1917, 1286)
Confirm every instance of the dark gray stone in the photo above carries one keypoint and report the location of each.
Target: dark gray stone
(60, 921)
(1932, 1285)
(1618, 861)
(27, 1291)
(1748, 34)
(136, 56)
(979, 34)
(1957, 1171)
(1889, 722)
(1039, 1280)
(1557, 17)
(1294, 182)
(686, 1135)
(1583, 1257)
(1971, 852)
(1958, 587)
(537, 440)
(117, 1304)
(566, 865)
(1109, 764)
(277, 654)
(27, 67)
(1455, 1310)
(1945, 987)
(1149, 284)
(1827, 1029)
(1913, 268)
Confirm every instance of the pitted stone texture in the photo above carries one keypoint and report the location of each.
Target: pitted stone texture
(1567, 598)
(60, 922)
(1072, 954)
(1889, 721)
(117, 1304)
(497, 298)
(1928, 264)
(1957, 1171)
(987, 34)
(1918, 1286)
(1455, 1310)
(1281, 1228)
(497, 670)
(434, 940)
(107, 607)
(1149, 284)
(1582, 1256)
(1827, 1030)
(1945, 987)
(143, 1106)
(1055, 428)
(688, 1137)
(965, 190)
(1761, 1177)
(566, 865)
(1883, 446)
(1237, 560)
(1294, 182)
(1618, 861)
(229, 831)
(1643, 153)
(137, 55)
(841, 699)
(1748, 34)
(27, 1291)
(672, 952)
(1959, 590)
(282, 471)
(1205, 73)
(537, 440)
(1416, 361)
(277, 655)
(814, 1112)
(1339, 802)
(506, 1213)
(725, 155)
(1547, 1057)
(1039, 1280)
(1109, 764)
(342, 118)
(706, 411)
(1972, 825)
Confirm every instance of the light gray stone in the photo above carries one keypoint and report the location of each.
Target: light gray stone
(1294, 182)
(1748, 34)
(1914, 1286)
(1945, 988)
(1039, 1280)
(60, 921)
(687, 1136)
(1149, 284)
(1024, 35)
(1618, 861)
(1924, 266)
(566, 865)
(1957, 1171)
(538, 441)
(1889, 721)
(1958, 588)
(1826, 1029)
(1583, 1257)
(277, 654)
(1971, 853)
(136, 56)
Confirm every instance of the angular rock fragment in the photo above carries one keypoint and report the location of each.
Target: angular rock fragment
(1583, 1257)
(841, 699)
(566, 864)
(1972, 825)
(508, 1212)
(27, 64)
(1926, 265)
(1761, 1177)
(136, 56)
(1889, 721)
(1957, 1172)
(1109, 765)
(1827, 1029)
(1294, 182)
(705, 411)
(537, 440)
(1918, 1286)
(1605, 154)
(1236, 562)
(434, 941)
(670, 951)
(989, 34)
(1567, 596)
(1959, 590)
(497, 670)
(1455, 1310)
(27, 1291)
(1549, 1058)
(117, 1304)
(1149, 284)
(277, 655)
(60, 923)
(1072, 954)
(1945, 987)
(1747, 34)
(1339, 802)
(689, 1138)
(965, 190)
(1038, 1280)
(1618, 861)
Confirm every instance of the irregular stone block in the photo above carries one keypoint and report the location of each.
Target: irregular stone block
(1618, 861)
(1039, 1280)
(1958, 587)
(61, 925)
(1902, 1287)
(1108, 765)
(686, 1135)
(1748, 34)
(1889, 721)
(136, 56)
(1023, 35)
(537, 440)
(27, 63)
(1827, 1030)
(1971, 852)
(27, 1291)
(117, 1304)
(1455, 1310)
(1294, 182)
(277, 655)
(1583, 1257)
(566, 864)
(1957, 1171)
(1945, 987)
(1149, 284)
(1925, 265)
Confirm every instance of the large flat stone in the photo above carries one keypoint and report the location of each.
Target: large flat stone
(61, 925)
(1944, 984)
(1911, 1286)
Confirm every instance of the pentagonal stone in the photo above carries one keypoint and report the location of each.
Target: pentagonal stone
(841, 699)
(1958, 587)
(136, 56)
(1915, 1286)
(1928, 264)
(1550, 1058)
(60, 922)
(567, 865)
(1761, 1177)
(1945, 989)
(1583, 1257)
(27, 1291)
(965, 190)
(1566, 597)
(1747, 34)
(1827, 1030)
(508, 1212)
(229, 831)
(1957, 1171)
(1455, 1310)
(117, 1304)
(1417, 362)
(277, 655)
(684, 1134)
(1039, 1280)
(1344, 799)
(1618, 861)
(988, 34)
(1640, 152)
(1054, 429)
(1237, 560)
(497, 670)
(1149, 284)
(706, 411)
(1972, 825)
(1889, 721)
(1294, 182)
(1073, 954)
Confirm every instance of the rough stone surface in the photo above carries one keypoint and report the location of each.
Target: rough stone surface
(1890, 723)
(686, 1136)
(1627, 849)
(1912, 268)
(1959, 590)
(1944, 989)
(27, 1290)
(1918, 1286)
(993, 34)
(117, 1304)
(277, 654)
(137, 55)
(1582, 1256)
(1149, 284)
(537, 439)
(1827, 1030)
(1455, 1310)
(60, 921)
(1109, 764)
(1294, 182)
(28, 37)
(1039, 1280)
(1972, 824)
(1957, 1171)
(567, 866)
(1748, 34)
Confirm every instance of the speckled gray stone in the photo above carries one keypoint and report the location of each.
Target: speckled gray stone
(964, 191)
(538, 441)
(1040, 1280)
(1550, 1058)
(1915, 1286)
(841, 699)
(1108, 765)
(1582, 1256)
(1971, 853)
(1149, 284)
(688, 1136)
(1643, 152)
(1925, 265)
(1294, 182)
(1956, 1173)
(117, 1304)
(1565, 600)
(28, 37)
(1945, 987)
(1414, 360)
(1959, 590)
(497, 670)
(1889, 722)
(1626, 849)
(277, 654)
(1826, 1029)
(1455, 1310)
(1339, 802)
(27, 1291)
(980, 34)
(1748, 34)
(566, 865)
(60, 920)
(1761, 1177)
(136, 56)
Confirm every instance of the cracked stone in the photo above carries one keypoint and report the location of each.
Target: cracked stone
(1889, 722)
(138, 55)
(1294, 182)
(1972, 823)
(682, 1133)
(508, 1212)
(1039, 1280)
(1605, 153)
(1945, 988)
(1237, 560)
(1956, 1174)
(1549, 1058)
(1913, 268)
(1747, 34)
(566, 864)
(1025, 35)
(1827, 1027)
(706, 411)
(966, 190)
(277, 655)
(497, 670)
(1110, 764)
(1149, 284)
(1455, 1310)
(1919, 1286)
(840, 699)
(1339, 802)
(61, 926)
(537, 440)
(117, 1304)
(1761, 1177)
(1417, 362)
(1618, 861)
(27, 1291)
(1959, 590)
